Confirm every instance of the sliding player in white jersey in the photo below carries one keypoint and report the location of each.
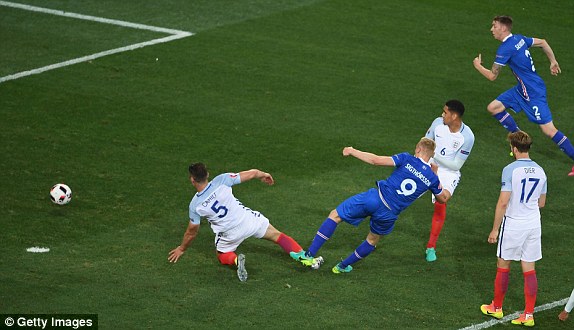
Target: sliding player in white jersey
(454, 141)
(517, 227)
(231, 221)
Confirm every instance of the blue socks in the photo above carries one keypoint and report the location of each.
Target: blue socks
(323, 234)
(564, 144)
(506, 121)
(361, 252)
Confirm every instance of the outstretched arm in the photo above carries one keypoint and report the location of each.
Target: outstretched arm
(454, 165)
(368, 157)
(188, 237)
(256, 174)
(554, 67)
(491, 74)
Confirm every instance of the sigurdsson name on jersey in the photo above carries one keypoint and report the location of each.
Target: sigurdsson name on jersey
(418, 174)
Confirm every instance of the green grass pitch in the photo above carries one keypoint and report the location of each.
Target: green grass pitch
(282, 86)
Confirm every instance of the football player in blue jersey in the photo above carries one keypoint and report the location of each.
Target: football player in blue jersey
(412, 177)
(529, 95)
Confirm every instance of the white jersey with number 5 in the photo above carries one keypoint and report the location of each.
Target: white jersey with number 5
(217, 204)
(526, 181)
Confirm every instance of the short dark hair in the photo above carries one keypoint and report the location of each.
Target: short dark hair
(504, 20)
(520, 140)
(198, 171)
(455, 106)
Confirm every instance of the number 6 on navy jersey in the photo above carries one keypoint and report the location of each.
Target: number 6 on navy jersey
(216, 209)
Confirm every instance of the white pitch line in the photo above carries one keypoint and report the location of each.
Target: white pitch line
(92, 57)
(174, 34)
(510, 317)
(90, 18)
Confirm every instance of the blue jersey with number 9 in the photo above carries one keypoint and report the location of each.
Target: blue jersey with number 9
(411, 178)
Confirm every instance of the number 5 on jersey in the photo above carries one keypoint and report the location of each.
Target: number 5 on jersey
(217, 209)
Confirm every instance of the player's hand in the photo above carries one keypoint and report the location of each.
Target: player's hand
(267, 178)
(563, 316)
(477, 61)
(175, 254)
(555, 69)
(493, 237)
(434, 167)
(347, 151)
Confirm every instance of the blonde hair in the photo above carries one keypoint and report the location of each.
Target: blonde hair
(427, 145)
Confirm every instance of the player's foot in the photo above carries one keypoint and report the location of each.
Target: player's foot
(490, 310)
(306, 260)
(338, 270)
(571, 172)
(524, 319)
(431, 254)
(241, 271)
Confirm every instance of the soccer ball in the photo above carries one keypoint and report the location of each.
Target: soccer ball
(61, 194)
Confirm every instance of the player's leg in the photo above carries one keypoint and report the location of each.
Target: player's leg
(227, 243)
(498, 110)
(531, 252)
(324, 233)
(450, 181)
(361, 252)
(382, 223)
(287, 243)
(438, 218)
(500, 288)
(353, 210)
(561, 141)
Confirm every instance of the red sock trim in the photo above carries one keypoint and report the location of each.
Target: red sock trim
(530, 290)
(500, 286)
(227, 258)
(438, 217)
(288, 244)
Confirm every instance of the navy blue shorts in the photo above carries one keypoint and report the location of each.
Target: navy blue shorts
(356, 208)
(537, 110)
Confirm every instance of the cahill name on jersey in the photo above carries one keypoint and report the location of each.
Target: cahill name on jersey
(217, 204)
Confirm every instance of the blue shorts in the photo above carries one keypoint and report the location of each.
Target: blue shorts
(356, 208)
(537, 110)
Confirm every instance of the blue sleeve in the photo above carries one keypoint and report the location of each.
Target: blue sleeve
(227, 179)
(503, 54)
(529, 41)
(193, 216)
(464, 151)
(399, 159)
(507, 178)
(430, 131)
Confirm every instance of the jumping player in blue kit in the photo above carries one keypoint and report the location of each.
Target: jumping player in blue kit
(412, 177)
(529, 95)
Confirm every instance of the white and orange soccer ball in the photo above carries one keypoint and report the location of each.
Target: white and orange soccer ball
(61, 194)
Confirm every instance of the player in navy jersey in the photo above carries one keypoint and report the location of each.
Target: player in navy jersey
(412, 177)
(529, 95)
(517, 227)
(231, 221)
